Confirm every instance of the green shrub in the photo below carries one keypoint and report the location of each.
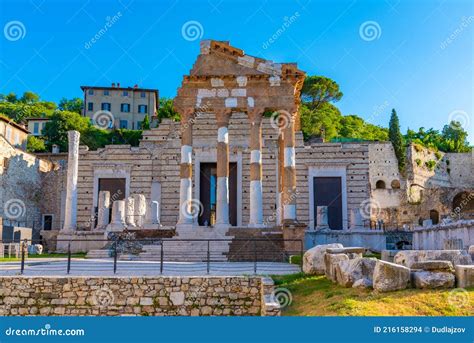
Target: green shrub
(430, 164)
(438, 155)
(418, 162)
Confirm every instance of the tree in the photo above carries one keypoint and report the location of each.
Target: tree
(318, 90)
(72, 105)
(454, 138)
(166, 110)
(35, 144)
(11, 97)
(395, 136)
(146, 123)
(61, 122)
(323, 122)
(29, 98)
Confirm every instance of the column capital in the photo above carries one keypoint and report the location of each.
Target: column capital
(255, 114)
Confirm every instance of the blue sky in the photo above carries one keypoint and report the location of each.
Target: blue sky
(408, 64)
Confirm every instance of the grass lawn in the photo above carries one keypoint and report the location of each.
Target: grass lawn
(317, 296)
(10, 259)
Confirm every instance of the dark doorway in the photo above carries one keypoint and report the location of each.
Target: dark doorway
(116, 187)
(327, 192)
(47, 222)
(434, 216)
(207, 193)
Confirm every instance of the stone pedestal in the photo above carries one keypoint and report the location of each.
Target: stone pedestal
(70, 208)
(140, 209)
(152, 220)
(103, 211)
(356, 221)
(322, 218)
(130, 212)
(118, 216)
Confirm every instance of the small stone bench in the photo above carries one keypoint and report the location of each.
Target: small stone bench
(465, 276)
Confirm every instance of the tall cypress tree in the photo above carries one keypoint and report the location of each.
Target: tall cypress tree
(395, 136)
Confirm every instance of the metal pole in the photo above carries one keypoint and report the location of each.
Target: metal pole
(69, 257)
(255, 257)
(22, 246)
(161, 258)
(208, 256)
(115, 257)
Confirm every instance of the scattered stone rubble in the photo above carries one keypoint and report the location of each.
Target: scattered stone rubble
(423, 269)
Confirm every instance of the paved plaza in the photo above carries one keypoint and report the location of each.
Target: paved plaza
(81, 267)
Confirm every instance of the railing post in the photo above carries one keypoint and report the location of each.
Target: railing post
(22, 247)
(255, 257)
(161, 257)
(115, 256)
(208, 256)
(69, 257)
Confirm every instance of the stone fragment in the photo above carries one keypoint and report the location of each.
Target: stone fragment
(331, 262)
(322, 218)
(464, 276)
(390, 276)
(313, 259)
(408, 257)
(140, 207)
(388, 255)
(103, 212)
(346, 250)
(362, 283)
(130, 211)
(177, 298)
(350, 271)
(431, 280)
(439, 266)
(471, 252)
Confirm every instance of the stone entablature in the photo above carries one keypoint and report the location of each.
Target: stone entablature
(137, 296)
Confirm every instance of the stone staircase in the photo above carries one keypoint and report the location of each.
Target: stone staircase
(93, 254)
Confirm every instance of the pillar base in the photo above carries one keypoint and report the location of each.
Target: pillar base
(257, 226)
(222, 226)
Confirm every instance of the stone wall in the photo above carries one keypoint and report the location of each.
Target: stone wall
(435, 237)
(139, 296)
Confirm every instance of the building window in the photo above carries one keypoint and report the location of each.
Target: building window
(17, 139)
(36, 128)
(143, 95)
(9, 133)
(139, 125)
(91, 92)
(125, 107)
(380, 184)
(125, 93)
(142, 109)
(124, 124)
(106, 92)
(105, 106)
(90, 106)
(47, 222)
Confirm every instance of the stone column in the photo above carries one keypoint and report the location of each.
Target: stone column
(70, 208)
(186, 169)
(256, 192)
(140, 209)
(118, 215)
(130, 211)
(103, 209)
(322, 219)
(152, 213)
(222, 192)
(289, 164)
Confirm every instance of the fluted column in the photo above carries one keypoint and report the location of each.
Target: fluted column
(222, 192)
(289, 166)
(70, 208)
(256, 197)
(186, 216)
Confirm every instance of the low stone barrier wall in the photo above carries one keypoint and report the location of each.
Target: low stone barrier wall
(370, 239)
(435, 237)
(138, 296)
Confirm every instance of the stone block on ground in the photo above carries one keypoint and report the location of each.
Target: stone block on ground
(346, 250)
(362, 283)
(331, 262)
(408, 257)
(390, 276)
(313, 259)
(352, 270)
(434, 266)
(464, 276)
(388, 255)
(432, 279)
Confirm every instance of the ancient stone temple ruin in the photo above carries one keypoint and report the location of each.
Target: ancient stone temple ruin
(236, 165)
